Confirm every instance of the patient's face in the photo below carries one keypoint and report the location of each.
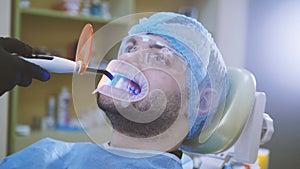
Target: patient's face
(165, 72)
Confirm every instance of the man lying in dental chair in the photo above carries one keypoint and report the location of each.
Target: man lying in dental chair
(183, 87)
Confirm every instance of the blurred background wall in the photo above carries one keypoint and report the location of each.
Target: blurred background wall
(273, 55)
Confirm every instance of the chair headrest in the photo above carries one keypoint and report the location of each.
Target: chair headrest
(222, 134)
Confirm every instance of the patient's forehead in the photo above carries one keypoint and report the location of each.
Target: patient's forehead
(151, 36)
(160, 39)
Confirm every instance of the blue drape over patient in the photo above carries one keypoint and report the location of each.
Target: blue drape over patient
(53, 154)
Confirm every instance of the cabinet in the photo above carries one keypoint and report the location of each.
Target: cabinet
(41, 26)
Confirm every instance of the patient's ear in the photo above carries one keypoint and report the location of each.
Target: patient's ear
(208, 100)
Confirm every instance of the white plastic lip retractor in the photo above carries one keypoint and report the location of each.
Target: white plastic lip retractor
(127, 78)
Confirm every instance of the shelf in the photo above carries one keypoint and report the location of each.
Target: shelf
(62, 15)
(100, 135)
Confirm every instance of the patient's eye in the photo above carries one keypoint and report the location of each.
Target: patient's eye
(130, 49)
(130, 46)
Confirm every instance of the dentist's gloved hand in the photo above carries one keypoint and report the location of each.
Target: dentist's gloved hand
(14, 70)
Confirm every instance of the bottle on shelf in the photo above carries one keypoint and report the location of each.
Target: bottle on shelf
(63, 108)
(96, 8)
(86, 8)
(105, 10)
(48, 122)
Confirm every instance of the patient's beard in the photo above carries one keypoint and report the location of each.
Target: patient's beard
(136, 129)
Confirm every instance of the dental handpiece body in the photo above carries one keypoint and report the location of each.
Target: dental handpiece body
(54, 64)
(61, 65)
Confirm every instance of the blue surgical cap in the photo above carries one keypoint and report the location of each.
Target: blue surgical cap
(189, 37)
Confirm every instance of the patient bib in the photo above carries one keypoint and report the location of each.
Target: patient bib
(53, 154)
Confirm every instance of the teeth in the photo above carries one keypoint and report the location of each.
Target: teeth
(129, 84)
(122, 82)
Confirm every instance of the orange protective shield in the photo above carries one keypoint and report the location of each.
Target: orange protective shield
(84, 47)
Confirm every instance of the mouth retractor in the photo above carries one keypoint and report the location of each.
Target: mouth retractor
(128, 84)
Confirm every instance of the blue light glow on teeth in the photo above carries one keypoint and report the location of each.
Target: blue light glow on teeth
(122, 82)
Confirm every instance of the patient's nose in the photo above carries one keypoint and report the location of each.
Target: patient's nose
(131, 58)
(123, 56)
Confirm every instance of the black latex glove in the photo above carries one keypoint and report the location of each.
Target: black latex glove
(14, 70)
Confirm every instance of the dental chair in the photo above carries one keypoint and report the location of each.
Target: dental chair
(242, 128)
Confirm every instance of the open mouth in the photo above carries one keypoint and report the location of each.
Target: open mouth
(121, 82)
(129, 83)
